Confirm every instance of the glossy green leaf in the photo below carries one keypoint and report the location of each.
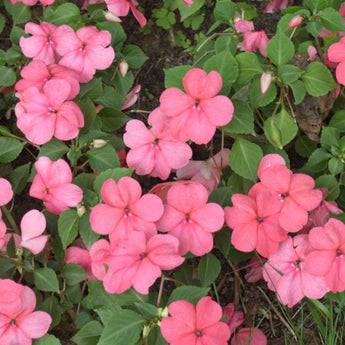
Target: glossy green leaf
(173, 76)
(208, 269)
(66, 13)
(45, 279)
(280, 49)
(329, 137)
(9, 149)
(89, 334)
(7, 76)
(257, 99)
(103, 158)
(68, 227)
(73, 274)
(134, 56)
(331, 20)
(191, 294)
(54, 149)
(249, 66)
(338, 120)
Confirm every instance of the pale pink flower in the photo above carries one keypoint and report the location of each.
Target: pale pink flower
(125, 210)
(32, 226)
(312, 53)
(154, 151)
(19, 322)
(123, 67)
(81, 257)
(138, 262)
(99, 253)
(206, 172)
(53, 185)
(42, 115)
(131, 97)
(85, 50)
(287, 274)
(42, 44)
(255, 335)
(189, 217)
(243, 25)
(90, 2)
(336, 53)
(6, 192)
(265, 82)
(120, 8)
(233, 318)
(194, 115)
(197, 325)
(327, 259)
(295, 21)
(253, 40)
(255, 271)
(17, 239)
(276, 5)
(161, 189)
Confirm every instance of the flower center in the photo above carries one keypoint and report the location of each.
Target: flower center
(13, 322)
(127, 212)
(284, 195)
(259, 220)
(142, 256)
(339, 253)
(49, 40)
(196, 104)
(296, 264)
(187, 218)
(82, 48)
(51, 111)
(198, 333)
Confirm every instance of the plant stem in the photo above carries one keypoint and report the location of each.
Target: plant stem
(10, 219)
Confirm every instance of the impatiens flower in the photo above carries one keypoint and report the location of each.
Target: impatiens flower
(6, 193)
(233, 318)
(255, 270)
(131, 97)
(121, 8)
(42, 44)
(197, 325)
(206, 172)
(276, 5)
(84, 51)
(42, 115)
(138, 262)
(19, 322)
(252, 336)
(32, 226)
(336, 53)
(295, 21)
(161, 189)
(189, 217)
(327, 259)
(243, 25)
(194, 115)
(125, 210)
(287, 274)
(33, 2)
(253, 40)
(53, 185)
(99, 253)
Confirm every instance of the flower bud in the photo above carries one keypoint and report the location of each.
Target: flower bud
(81, 210)
(123, 66)
(112, 17)
(295, 21)
(265, 82)
(99, 143)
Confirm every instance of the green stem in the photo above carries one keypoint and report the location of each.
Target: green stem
(10, 219)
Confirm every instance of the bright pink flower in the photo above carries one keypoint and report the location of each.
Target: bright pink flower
(295, 21)
(312, 53)
(255, 335)
(153, 151)
(85, 50)
(47, 114)
(255, 222)
(121, 8)
(125, 210)
(138, 262)
(161, 189)
(276, 5)
(194, 115)
(197, 325)
(243, 25)
(206, 172)
(6, 192)
(80, 257)
(327, 259)
(42, 44)
(19, 323)
(189, 217)
(233, 318)
(286, 273)
(255, 271)
(253, 40)
(99, 252)
(52, 184)
(131, 97)
(37, 73)
(336, 53)
(265, 82)
(32, 226)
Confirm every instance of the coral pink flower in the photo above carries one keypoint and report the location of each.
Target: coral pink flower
(194, 115)
(42, 44)
(19, 322)
(37, 73)
(327, 259)
(197, 325)
(286, 272)
(153, 151)
(161, 189)
(85, 50)
(121, 8)
(138, 262)
(255, 271)
(125, 210)
(255, 222)
(52, 184)
(99, 253)
(80, 257)
(32, 226)
(47, 114)
(255, 335)
(233, 318)
(253, 40)
(131, 97)
(336, 53)
(243, 25)
(206, 172)
(189, 217)
(276, 5)
(6, 192)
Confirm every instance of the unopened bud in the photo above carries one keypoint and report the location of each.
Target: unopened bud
(112, 17)
(81, 210)
(99, 143)
(123, 66)
(295, 21)
(265, 82)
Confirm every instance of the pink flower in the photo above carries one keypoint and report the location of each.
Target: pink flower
(42, 44)
(189, 3)
(295, 21)
(121, 8)
(189, 217)
(153, 151)
(131, 97)
(194, 115)
(197, 325)
(84, 51)
(255, 335)
(327, 259)
(33, 2)
(206, 172)
(255, 271)
(37, 73)
(47, 114)
(253, 40)
(19, 322)
(125, 210)
(138, 262)
(286, 272)
(243, 25)
(276, 5)
(312, 53)
(52, 184)
(32, 226)
(265, 82)
(80, 257)
(336, 53)
(233, 318)
(161, 189)
(99, 252)
(6, 192)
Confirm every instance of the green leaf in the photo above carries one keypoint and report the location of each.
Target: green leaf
(124, 327)
(85, 231)
(13, 55)
(45, 279)
(7, 76)
(221, 196)
(280, 49)
(7, 268)
(54, 149)
(134, 56)
(208, 269)
(329, 137)
(147, 310)
(155, 337)
(289, 73)
(331, 20)
(21, 13)
(112, 119)
(249, 66)
(244, 158)
(318, 79)
(257, 98)
(53, 308)
(186, 11)
(89, 111)
(73, 274)
(92, 89)
(103, 158)
(226, 43)
(9, 149)
(191, 294)
(318, 160)
(173, 76)
(89, 334)
(315, 5)
(68, 227)
(111, 98)
(117, 33)
(222, 241)
(66, 13)
(19, 177)
(16, 34)
(329, 182)
(314, 28)
(338, 120)
(224, 11)
(335, 165)
(47, 339)
(304, 146)
(298, 91)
